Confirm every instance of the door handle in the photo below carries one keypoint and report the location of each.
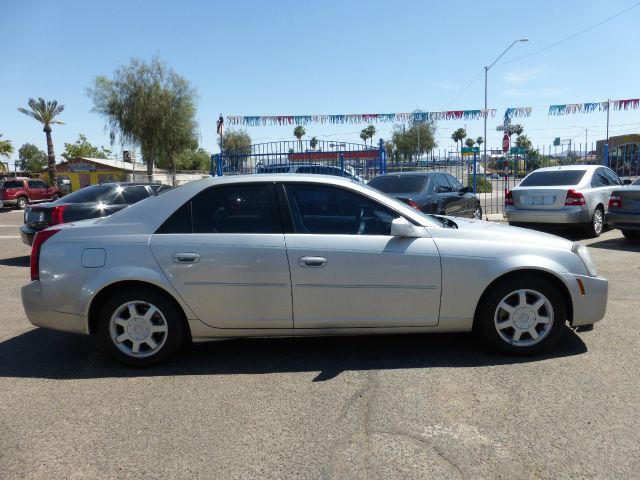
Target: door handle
(312, 261)
(187, 257)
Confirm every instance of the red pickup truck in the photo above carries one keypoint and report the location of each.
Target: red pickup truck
(22, 191)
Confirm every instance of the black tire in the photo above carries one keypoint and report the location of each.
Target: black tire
(166, 319)
(490, 314)
(22, 202)
(477, 213)
(596, 226)
(631, 234)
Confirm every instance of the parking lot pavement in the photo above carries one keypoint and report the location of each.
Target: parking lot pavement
(439, 406)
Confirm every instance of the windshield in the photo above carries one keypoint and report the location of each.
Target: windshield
(400, 184)
(553, 178)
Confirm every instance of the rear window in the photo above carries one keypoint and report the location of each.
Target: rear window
(108, 194)
(12, 184)
(403, 184)
(553, 178)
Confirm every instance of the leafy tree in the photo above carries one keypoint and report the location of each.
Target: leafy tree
(313, 143)
(198, 159)
(46, 113)
(390, 149)
(469, 142)
(31, 159)
(406, 140)
(299, 132)
(235, 140)
(149, 105)
(368, 133)
(517, 129)
(458, 136)
(82, 148)
(364, 135)
(479, 141)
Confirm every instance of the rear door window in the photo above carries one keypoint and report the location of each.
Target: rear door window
(12, 184)
(600, 179)
(613, 178)
(553, 178)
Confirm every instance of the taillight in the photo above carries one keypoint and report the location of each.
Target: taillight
(615, 202)
(41, 237)
(574, 198)
(57, 214)
(508, 198)
(411, 204)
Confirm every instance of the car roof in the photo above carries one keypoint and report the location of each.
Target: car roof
(409, 174)
(568, 167)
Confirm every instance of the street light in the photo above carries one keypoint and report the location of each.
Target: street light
(486, 70)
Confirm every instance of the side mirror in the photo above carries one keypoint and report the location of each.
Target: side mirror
(626, 182)
(400, 227)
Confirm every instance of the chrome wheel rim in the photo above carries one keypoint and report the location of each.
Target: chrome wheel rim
(138, 329)
(477, 214)
(597, 221)
(523, 317)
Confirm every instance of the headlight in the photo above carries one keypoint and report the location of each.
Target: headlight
(585, 256)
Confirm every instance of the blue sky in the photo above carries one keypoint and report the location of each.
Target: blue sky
(330, 57)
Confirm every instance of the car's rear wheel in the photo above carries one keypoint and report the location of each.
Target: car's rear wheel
(594, 229)
(22, 202)
(140, 327)
(522, 316)
(631, 234)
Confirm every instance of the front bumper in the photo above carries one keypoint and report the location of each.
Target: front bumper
(27, 234)
(8, 203)
(625, 221)
(564, 215)
(41, 316)
(590, 307)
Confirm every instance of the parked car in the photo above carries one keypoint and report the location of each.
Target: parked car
(574, 196)
(89, 202)
(319, 169)
(295, 255)
(624, 210)
(19, 192)
(431, 192)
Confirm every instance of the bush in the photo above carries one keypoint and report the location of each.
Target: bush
(482, 184)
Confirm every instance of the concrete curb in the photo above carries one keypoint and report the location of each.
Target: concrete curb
(494, 217)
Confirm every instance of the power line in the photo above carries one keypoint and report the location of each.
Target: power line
(464, 89)
(572, 36)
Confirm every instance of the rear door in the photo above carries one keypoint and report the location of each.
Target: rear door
(36, 191)
(224, 253)
(463, 203)
(450, 200)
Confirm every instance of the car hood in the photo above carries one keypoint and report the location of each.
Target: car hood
(501, 233)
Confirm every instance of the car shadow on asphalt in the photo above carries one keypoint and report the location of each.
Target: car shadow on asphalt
(42, 353)
(621, 244)
(22, 261)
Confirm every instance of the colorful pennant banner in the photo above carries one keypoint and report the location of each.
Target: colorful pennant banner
(256, 121)
(517, 112)
(571, 108)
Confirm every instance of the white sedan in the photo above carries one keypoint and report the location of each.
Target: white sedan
(289, 255)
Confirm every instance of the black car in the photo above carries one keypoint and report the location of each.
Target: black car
(431, 192)
(89, 202)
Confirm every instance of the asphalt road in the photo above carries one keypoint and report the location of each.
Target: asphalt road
(432, 406)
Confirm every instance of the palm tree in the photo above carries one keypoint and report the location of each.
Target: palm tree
(371, 131)
(458, 136)
(299, 132)
(313, 143)
(6, 148)
(479, 141)
(469, 142)
(364, 135)
(45, 113)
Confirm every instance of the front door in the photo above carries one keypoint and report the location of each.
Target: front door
(224, 253)
(346, 269)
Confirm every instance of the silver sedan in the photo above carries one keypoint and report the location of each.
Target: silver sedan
(294, 255)
(574, 195)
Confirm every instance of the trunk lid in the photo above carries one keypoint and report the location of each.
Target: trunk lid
(540, 198)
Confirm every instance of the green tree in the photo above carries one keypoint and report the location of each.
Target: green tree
(371, 132)
(235, 140)
(458, 136)
(524, 142)
(406, 140)
(313, 143)
(31, 159)
(150, 105)
(364, 135)
(46, 113)
(299, 132)
(389, 147)
(199, 160)
(469, 142)
(82, 148)
(479, 141)
(6, 149)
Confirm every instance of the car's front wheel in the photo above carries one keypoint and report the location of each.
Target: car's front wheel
(522, 316)
(140, 327)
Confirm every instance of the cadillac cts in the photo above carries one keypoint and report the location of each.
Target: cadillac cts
(293, 255)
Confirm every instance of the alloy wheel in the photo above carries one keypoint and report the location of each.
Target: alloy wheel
(138, 329)
(523, 317)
